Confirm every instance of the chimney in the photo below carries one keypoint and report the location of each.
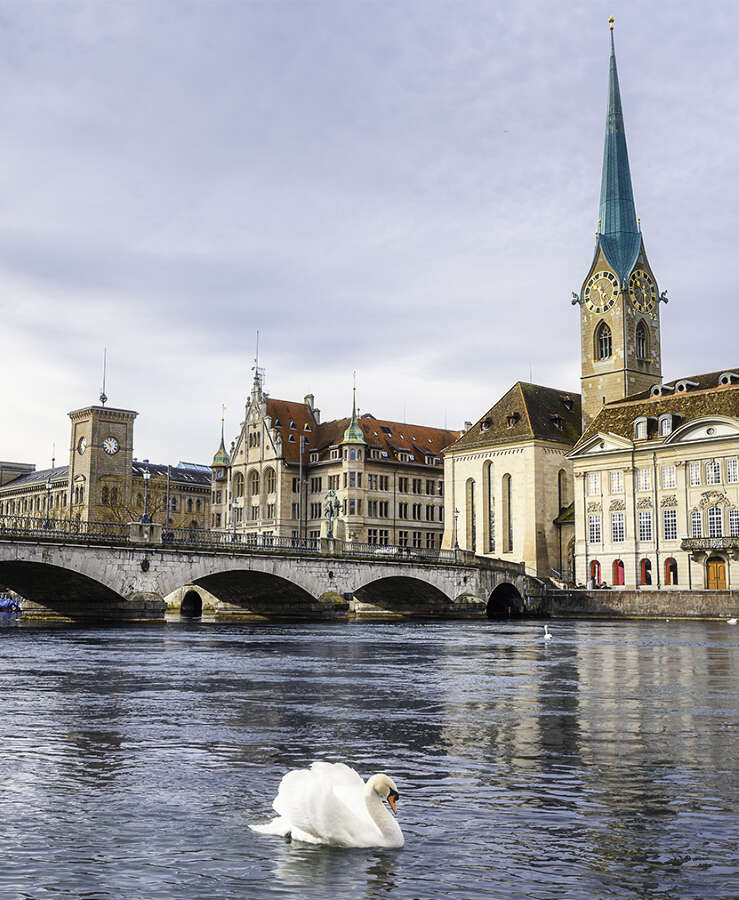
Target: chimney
(467, 426)
(316, 416)
(309, 400)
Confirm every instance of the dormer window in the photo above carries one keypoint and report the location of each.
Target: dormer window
(512, 419)
(568, 402)
(640, 428)
(314, 456)
(485, 424)
(334, 454)
(558, 422)
(665, 425)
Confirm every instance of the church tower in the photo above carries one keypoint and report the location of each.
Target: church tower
(619, 300)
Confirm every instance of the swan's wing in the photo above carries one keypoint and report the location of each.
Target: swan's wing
(325, 802)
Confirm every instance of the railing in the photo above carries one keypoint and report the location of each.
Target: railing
(710, 543)
(224, 540)
(227, 540)
(25, 526)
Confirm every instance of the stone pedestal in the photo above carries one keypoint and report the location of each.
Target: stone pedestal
(144, 533)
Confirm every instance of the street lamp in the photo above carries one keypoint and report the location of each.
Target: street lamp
(145, 520)
(456, 516)
(234, 507)
(47, 523)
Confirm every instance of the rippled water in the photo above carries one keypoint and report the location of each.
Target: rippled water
(603, 764)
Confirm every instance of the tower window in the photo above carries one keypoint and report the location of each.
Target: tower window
(641, 341)
(605, 344)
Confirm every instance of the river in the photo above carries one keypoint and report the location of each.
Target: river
(600, 764)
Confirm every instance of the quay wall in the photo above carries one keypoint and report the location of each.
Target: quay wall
(664, 604)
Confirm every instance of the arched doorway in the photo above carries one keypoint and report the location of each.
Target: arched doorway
(670, 571)
(595, 572)
(645, 569)
(192, 605)
(618, 573)
(715, 574)
(505, 601)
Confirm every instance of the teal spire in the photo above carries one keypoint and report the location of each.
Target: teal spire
(221, 458)
(353, 433)
(618, 230)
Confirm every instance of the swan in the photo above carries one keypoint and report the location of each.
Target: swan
(547, 636)
(330, 804)
(731, 621)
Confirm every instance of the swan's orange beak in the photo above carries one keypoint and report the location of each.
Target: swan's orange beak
(391, 798)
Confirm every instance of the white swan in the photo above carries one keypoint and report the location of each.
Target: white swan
(330, 804)
(547, 636)
(731, 621)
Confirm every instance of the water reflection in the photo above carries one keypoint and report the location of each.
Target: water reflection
(601, 764)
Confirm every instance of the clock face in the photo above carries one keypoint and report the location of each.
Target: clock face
(601, 291)
(81, 445)
(111, 446)
(642, 290)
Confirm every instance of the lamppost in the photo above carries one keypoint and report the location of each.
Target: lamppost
(145, 520)
(234, 507)
(456, 516)
(47, 523)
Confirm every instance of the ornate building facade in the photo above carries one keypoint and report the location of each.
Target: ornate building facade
(656, 477)
(387, 476)
(103, 482)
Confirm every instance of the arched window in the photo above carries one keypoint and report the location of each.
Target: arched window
(715, 521)
(618, 572)
(507, 522)
(641, 341)
(645, 567)
(470, 514)
(604, 341)
(105, 494)
(670, 571)
(253, 482)
(189, 504)
(595, 571)
(269, 481)
(238, 485)
(488, 512)
(562, 492)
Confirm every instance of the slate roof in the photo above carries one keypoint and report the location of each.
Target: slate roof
(58, 473)
(709, 398)
(182, 474)
(390, 438)
(526, 412)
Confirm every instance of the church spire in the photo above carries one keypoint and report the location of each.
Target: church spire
(221, 458)
(354, 433)
(618, 231)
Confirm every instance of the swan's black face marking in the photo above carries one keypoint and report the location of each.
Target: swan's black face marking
(392, 798)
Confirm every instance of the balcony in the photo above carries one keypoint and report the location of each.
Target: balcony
(700, 546)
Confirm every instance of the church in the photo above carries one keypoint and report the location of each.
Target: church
(641, 491)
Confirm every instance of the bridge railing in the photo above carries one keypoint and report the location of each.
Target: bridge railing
(42, 527)
(394, 552)
(227, 540)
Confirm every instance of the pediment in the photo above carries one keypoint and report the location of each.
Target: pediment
(601, 443)
(706, 428)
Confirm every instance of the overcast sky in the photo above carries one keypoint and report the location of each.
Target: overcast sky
(408, 189)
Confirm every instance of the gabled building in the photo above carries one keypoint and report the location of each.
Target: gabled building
(507, 480)
(657, 488)
(273, 481)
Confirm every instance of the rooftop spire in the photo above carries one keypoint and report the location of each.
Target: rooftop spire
(353, 433)
(617, 227)
(222, 458)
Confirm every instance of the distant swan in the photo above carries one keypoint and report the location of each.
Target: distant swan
(731, 621)
(547, 636)
(330, 804)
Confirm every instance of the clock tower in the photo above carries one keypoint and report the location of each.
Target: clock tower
(619, 300)
(100, 458)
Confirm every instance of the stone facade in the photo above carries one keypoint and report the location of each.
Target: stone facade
(508, 480)
(387, 476)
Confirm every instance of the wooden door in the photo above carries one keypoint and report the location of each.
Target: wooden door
(716, 569)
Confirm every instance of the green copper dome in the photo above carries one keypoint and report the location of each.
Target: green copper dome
(353, 433)
(221, 458)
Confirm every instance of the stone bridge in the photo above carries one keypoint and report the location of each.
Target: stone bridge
(84, 576)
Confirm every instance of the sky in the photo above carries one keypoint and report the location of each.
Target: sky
(404, 189)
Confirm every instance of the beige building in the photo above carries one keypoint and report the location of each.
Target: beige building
(103, 482)
(274, 480)
(657, 488)
(508, 481)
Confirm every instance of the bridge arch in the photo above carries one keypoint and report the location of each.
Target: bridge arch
(504, 602)
(192, 605)
(250, 591)
(404, 595)
(51, 591)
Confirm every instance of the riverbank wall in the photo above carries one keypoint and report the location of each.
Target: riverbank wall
(650, 604)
